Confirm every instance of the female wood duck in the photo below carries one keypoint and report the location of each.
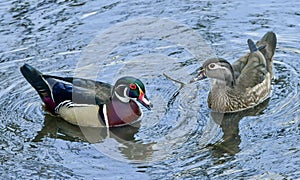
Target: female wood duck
(245, 83)
(89, 103)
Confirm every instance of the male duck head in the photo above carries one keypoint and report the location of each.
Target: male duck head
(216, 68)
(130, 88)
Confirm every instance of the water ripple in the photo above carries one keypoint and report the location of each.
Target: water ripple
(180, 138)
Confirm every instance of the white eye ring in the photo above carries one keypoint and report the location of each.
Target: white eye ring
(212, 66)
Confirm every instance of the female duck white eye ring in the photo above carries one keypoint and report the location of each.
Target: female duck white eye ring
(212, 66)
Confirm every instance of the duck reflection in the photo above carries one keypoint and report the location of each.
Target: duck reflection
(128, 146)
(229, 123)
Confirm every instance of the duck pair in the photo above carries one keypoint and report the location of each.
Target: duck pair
(83, 102)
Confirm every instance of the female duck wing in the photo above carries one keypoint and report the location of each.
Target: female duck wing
(266, 46)
(252, 68)
(268, 41)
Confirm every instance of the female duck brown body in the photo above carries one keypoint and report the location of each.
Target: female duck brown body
(245, 83)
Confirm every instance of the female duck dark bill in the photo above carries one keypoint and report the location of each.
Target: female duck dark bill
(89, 103)
(245, 83)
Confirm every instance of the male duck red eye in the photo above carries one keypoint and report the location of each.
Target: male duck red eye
(132, 86)
(74, 101)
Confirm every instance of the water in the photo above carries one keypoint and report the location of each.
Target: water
(180, 138)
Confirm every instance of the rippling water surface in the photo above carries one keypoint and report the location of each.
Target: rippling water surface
(180, 138)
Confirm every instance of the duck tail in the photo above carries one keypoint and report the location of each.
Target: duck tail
(35, 78)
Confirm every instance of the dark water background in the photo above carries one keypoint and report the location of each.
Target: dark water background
(180, 138)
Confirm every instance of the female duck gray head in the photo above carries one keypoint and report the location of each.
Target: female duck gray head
(219, 69)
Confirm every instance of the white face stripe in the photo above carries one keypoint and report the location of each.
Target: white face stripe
(105, 115)
(124, 99)
(138, 87)
(217, 66)
(125, 92)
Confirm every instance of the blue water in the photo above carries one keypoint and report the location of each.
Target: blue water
(180, 138)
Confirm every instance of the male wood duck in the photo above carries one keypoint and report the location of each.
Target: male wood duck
(245, 83)
(89, 103)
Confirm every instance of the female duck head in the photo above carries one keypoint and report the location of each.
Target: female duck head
(217, 68)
